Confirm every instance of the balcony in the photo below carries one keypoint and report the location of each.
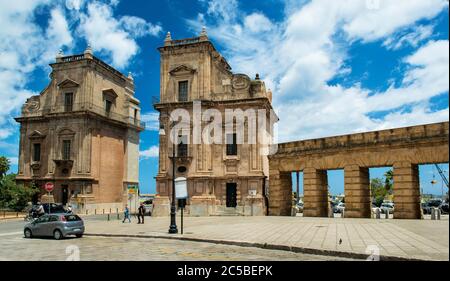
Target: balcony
(85, 107)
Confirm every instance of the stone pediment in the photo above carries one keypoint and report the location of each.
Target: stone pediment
(66, 131)
(110, 93)
(181, 70)
(36, 135)
(68, 83)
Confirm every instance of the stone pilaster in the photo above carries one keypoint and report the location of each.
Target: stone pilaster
(357, 192)
(280, 194)
(406, 190)
(315, 198)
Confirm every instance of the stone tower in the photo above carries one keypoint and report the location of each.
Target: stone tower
(225, 177)
(82, 134)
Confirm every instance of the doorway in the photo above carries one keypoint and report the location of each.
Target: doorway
(231, 195)
(65, 193)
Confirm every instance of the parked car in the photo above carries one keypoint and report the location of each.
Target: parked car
(57, 226)
(435, 203)
(53, 208)
(426, 208)
(339, 208)
(300, 207)
(444, 208)
(148, 206)
(387, 207)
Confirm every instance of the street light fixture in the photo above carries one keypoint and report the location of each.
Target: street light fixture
(173, 224)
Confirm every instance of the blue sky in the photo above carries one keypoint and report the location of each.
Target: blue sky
(335, 67)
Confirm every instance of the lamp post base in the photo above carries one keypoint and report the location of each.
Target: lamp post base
(173, 229)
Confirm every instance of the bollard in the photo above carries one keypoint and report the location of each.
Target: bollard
(4, 214)
(386, 215)
(433, 213)
(343, 213)
(377, 213)
(438, 214)
(17, 214)
(110, 210)
(108, 217)
(103, 211)
(118, 217)
(86, 211)
(117, 210)
(95, 211)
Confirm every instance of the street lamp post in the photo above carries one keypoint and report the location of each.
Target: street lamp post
(173, 224)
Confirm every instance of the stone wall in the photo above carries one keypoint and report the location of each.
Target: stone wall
(403, 149)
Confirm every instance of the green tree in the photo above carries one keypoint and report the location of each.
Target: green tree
(378, 190)
(4, 166)
(13, 196)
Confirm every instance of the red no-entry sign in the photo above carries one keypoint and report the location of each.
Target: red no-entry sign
(49, 186)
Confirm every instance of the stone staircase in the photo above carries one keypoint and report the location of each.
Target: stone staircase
(228, 212)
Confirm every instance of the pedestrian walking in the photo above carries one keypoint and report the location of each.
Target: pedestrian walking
(141, 213)
(126, 214)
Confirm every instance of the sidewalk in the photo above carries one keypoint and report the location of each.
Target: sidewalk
(395, 239)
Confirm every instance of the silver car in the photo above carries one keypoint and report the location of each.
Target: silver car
(56, 225)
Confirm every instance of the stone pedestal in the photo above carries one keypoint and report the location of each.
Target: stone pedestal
(357, 192)
(161, 206)
(406, 191)
(204, 205)
(315, 198)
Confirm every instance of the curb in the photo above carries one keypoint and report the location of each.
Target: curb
(294, 249)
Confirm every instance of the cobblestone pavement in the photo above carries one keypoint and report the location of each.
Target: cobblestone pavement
(15, 247)
(418, 239)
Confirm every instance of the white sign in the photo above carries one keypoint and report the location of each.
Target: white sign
(181, 188)
(252, 192)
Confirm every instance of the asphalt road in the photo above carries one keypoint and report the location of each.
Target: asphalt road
(15, 247)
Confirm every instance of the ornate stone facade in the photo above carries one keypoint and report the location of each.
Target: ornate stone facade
(403, 149)
(82, 133)
(218, 183)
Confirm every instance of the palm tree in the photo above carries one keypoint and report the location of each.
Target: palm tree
(389, 178)
(4, 165)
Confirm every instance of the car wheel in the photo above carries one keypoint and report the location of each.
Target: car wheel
(27, 233)
(79, 235)
(57, 234)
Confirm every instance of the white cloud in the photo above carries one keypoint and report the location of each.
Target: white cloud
(29, 43)
(152, 152)
(410, 37)
(151, 121)
(115, 37)
(300, 54)
(13, 160)
(257, 22)
(75, 4)
(138, 27)
(22, 49)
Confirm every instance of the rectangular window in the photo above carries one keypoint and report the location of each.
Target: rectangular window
(36, 152)
(108, 106)
(135, 120)
(231, 144)
(182, 148)
(68, 102)
(183, 91)
(66, 150)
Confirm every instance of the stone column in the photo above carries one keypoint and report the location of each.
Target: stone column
(280, 193)
(357, 192)
(315, 194)
(406, 191)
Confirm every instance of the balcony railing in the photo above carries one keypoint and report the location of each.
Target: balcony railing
(86, 107)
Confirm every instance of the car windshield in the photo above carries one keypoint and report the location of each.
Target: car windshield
(72, 218)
